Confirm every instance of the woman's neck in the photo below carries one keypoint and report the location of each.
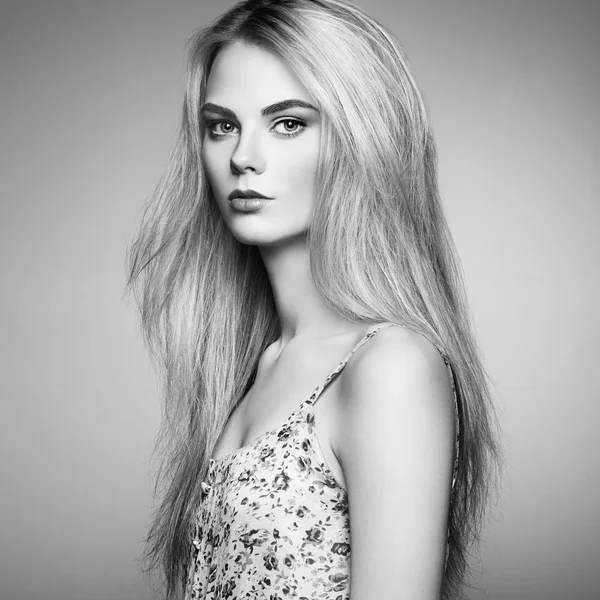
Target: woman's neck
(301, 309)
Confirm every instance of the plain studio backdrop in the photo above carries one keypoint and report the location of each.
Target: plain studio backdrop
(90, 97)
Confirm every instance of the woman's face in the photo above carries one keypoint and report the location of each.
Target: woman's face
(262, 134)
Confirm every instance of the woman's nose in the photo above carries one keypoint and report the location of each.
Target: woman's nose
(248, 155)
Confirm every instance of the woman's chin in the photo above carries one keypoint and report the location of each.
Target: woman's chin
(262, 237)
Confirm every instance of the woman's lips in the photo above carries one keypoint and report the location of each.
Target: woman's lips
(238, 193)
(248, 204)
(247, 200)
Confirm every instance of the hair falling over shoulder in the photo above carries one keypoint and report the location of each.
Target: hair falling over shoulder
(379, 245)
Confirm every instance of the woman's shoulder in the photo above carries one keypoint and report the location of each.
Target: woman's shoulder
(396, 411)
(394, 353)
(399, 373)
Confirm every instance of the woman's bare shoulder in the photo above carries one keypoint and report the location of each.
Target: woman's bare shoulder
(396, 356)
(397, 377)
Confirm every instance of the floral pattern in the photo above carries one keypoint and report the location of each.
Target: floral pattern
(274, 521)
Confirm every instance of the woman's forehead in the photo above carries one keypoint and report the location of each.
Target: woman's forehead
(249, 75)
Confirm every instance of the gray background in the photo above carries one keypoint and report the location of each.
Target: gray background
(90, 97)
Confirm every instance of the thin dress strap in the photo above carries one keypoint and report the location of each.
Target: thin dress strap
(315, 395)
(457, 418)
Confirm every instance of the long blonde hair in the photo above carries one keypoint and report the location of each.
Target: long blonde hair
(379, 248)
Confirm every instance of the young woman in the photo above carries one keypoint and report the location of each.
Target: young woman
(328, 431)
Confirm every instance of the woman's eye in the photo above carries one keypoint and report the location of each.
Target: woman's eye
(221, 128)
(289, 127)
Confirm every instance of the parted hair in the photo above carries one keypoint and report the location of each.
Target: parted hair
(379, 248)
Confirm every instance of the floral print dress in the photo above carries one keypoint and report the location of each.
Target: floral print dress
(274, 521)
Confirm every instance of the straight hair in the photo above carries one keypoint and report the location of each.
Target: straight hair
(379, 249)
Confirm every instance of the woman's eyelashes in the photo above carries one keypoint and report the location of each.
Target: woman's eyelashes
(284, 127)
(289, 127)
(219, 129)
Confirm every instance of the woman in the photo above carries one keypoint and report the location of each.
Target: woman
(298, 224)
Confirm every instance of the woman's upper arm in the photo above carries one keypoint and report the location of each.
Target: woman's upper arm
(396, 450)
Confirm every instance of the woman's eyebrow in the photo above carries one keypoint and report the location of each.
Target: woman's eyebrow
(268, 110)
(285, 105)
(219, 110)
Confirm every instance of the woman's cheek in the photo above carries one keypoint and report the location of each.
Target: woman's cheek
(302, 169)
(216, 169)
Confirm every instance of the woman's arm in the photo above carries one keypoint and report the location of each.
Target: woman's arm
(396, 450)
